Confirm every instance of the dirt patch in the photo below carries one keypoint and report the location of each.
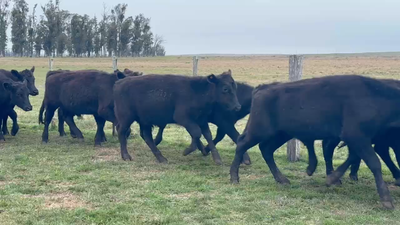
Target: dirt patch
(106, 155)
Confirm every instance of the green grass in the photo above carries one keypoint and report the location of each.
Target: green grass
(71, 182)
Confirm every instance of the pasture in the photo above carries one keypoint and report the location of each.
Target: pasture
(71, 182)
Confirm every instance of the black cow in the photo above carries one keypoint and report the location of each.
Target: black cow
(13, 93)
(226, 119)
(350, 108)
(61, 119)
(30, 78)
(163, 99)
(78, 93)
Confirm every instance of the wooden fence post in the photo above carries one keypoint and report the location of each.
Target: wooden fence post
(51, 63)
(195, 62)
(115, 63)
(295, 73)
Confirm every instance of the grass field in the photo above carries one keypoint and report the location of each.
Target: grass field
(70, 182)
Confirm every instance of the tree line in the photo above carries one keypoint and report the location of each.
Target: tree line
(60, 33)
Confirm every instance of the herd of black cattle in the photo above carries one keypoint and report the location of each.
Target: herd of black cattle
(358, 110)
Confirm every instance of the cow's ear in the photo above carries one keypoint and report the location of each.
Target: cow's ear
(8, 86)
(33, 69)
(212, 79)
(17, 75)
(229, 72)
(120, 75)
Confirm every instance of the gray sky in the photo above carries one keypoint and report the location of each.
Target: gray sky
(263, 26)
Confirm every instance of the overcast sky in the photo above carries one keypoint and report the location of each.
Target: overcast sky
(262, 26)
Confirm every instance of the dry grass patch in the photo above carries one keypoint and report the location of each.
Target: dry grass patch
(5, 183)
(106, 155)
(61, 200)
(64, 200)
(185, 196)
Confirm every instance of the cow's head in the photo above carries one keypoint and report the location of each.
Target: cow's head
(19, 94)
(30, 78)
(225, 87)
(129, 72)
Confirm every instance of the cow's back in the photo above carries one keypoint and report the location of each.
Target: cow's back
(80, 92)
(322, 106)
(156, 98)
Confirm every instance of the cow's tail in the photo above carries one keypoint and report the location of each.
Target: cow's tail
(41, 113)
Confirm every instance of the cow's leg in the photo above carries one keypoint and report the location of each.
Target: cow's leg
(367, 153)
(234, 135)
(244, 142)
(312, 158)
(123, 128)
(15, 127)
(5, 128)
(328, 147)
(159, 135)
(148, 137)
(113, 129)
(1, 133)
(383, 151)
(220, 135)
(69, 119)
(195, 132)
(267, 149)
(48, 118)
(61, 124)
(355, 166)
(205, 130)
(362, 147)
(100, 136)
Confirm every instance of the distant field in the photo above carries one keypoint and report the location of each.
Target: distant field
(70, 182)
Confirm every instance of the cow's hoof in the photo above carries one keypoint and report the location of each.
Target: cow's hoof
(206, 151)
(353, 177)
(216, 157)
(332, 179)
(283, 180)
(188, 151)
(388, 205)
(5, 132)
(14, 130)
(162, 160)
(246, 162)
(126, 157)
(218, 162)
(246, 159)
(234, 180)
(310, 170)
(338, 183)
(63, 134)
